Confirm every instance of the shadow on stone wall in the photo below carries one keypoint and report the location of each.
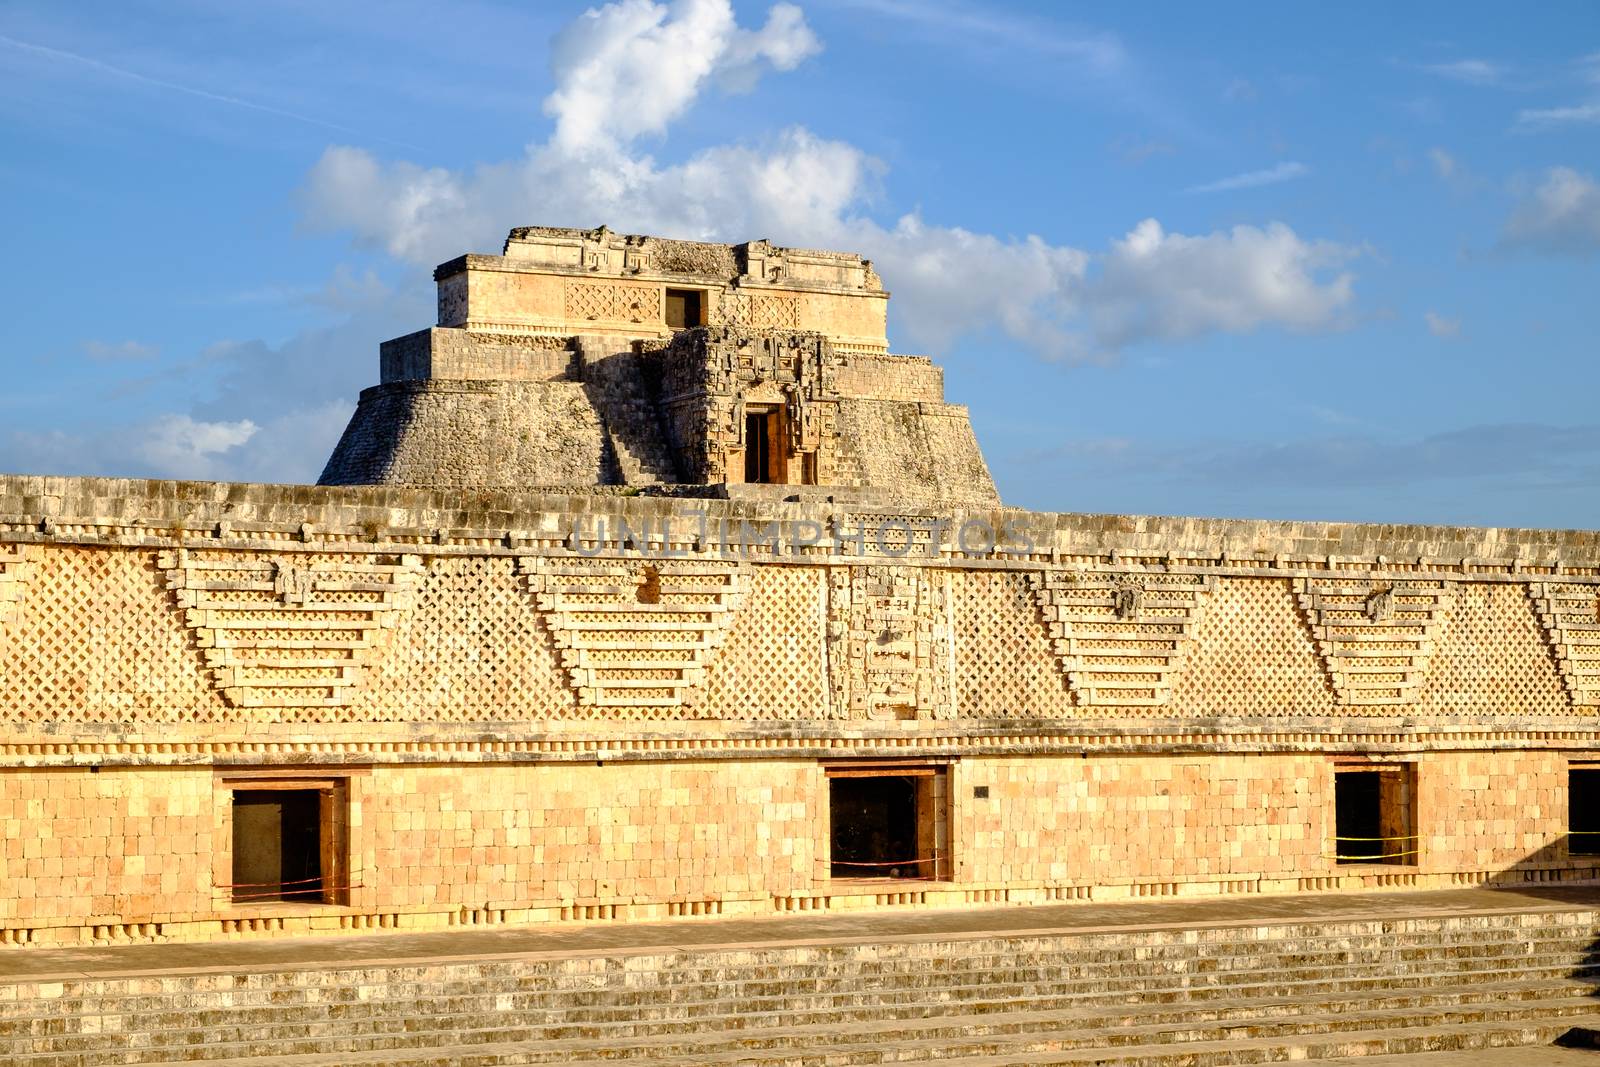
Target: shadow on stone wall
(1555, 874)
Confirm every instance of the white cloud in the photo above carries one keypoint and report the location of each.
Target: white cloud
(1471, 71)
(1444, 164)
(1561, 214)
(1282, 172)
(116, 351)
(290, 447)
(168, 446)
(628, 69)
(622, 74)
(1153, 284)
(188, 448)
(1440, 326)
(1545, 118)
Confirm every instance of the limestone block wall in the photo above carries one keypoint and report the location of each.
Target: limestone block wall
(873, 376)
(528, 835)
(110, 848)
(598, 711)
(142, 852)
(926, 451)
(1491, 812)
(1105, 821)
(457, 355)
(509, 296)
(473, 433)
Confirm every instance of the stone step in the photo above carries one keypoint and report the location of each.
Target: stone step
(1009, 995)
(371, 1020)
(1107, 948)
(1060, 974)
(533, 992)
(944, 1039)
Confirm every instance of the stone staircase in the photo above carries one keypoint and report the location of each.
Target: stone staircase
(1178, 997)
(613, 380)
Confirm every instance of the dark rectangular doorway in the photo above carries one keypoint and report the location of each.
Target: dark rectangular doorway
(683, 308)
(1374, 814)
(759, 433)
(887, 824)
(277, 845)
(1583, 811)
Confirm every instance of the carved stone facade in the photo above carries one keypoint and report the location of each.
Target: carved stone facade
(710, 377)
(651, 690)
(570, 359)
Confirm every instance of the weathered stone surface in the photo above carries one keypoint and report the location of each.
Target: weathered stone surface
(555, 658)
(484, 398)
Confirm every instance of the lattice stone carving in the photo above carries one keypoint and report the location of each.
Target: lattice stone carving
(1570, 615)
(284, 632)
(1377, 638)
(610, 302)
(636, 635)
(771, 666)
(1121, 638)
(16, 568)
(760, 311)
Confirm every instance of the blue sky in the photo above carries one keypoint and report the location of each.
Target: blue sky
(1292, 261)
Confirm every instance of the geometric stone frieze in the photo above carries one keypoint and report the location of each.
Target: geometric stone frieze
(1121, 637)
(1376, 637)
(636, 634)
(277, 632)
(1570, 615)
(16, 569)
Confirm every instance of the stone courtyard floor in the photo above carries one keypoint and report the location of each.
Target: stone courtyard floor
(607, 939)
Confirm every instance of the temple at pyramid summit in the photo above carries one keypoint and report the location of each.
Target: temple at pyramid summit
(650, 582)
(588, 358)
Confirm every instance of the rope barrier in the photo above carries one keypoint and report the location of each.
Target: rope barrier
(270, 890)
(1372, 857)
(255, 885)
(1403, 837)
(888, 863)
(1377, 857)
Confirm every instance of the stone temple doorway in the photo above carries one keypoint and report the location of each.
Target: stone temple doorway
(888, 822)
(277, 845)
(1375, 813)
(1583, 810)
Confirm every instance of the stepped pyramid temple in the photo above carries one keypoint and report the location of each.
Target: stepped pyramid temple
(650, 583)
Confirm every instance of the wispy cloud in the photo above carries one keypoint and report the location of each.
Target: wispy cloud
(1102, 52)
(1252, 179)
(1239, 89)
(1469, 71)
(1440, 326)
(1134, 150)
(1561, 215)
(111, 352)
(90, 63)
(1544, 118)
